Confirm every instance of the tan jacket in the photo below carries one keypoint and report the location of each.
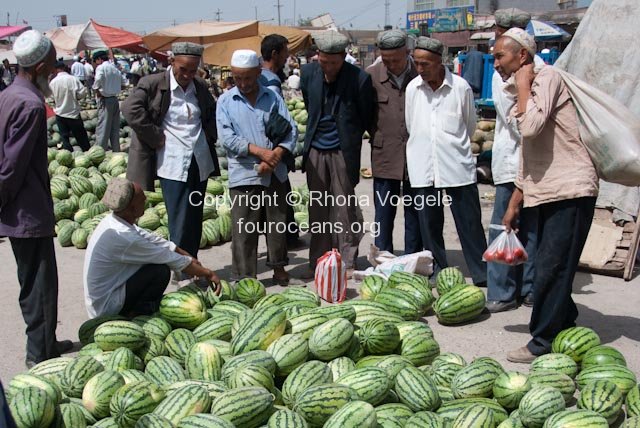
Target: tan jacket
(389, 134)
(554, 164)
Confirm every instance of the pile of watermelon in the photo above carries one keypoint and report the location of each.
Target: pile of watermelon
(250, 359)
(299, 113)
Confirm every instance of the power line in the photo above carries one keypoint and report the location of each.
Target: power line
(278, 6)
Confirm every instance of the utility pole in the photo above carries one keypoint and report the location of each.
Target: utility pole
(294, 13)
(279, 6)
(256, 8)
(387, 15)
(218, 14)
(8, 19)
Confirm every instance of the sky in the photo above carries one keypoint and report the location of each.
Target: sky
(146, 16)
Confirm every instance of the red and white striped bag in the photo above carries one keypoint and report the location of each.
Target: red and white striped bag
(331, 277)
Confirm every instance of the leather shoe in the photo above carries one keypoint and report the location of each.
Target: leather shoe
(528, 300)
(64, 346)
(495, 306)
(521, 355)
(482, 284)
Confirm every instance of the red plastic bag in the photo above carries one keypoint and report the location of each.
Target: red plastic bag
(331, 277)
(506, 248)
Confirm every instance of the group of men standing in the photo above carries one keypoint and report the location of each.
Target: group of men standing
(420, 117)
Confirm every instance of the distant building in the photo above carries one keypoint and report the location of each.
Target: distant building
(489, 6)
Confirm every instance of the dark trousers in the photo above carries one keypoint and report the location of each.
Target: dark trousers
(38, 278)
(73, 127)
(292, 230)
(333, 225)
(385, 194)
(506, 283)
(185, 218)
(258, 210)
(563, 228)
(465, 207)
(144, 290)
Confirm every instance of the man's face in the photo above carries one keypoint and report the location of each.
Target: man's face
(42, 72)
(281, 58)
(508, 57)
(395, 59)
(428, 64)
(331, 64)
(185, 68)
(5, 62)
(246, 79)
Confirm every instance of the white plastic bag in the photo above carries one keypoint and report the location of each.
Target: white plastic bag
(609, 130)
(385, 263)
(506, 248)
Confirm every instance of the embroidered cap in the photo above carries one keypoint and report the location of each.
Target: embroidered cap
(331, 42)
(430, 44)
(392, 39)
(31, 47)
(525, 39)
(187, 48)
(119, 194)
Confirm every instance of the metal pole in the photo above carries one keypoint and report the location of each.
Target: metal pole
(278, 5)
(294, 13)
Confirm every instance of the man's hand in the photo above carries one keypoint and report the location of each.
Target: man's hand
(264, 169)
(524, 76)
(510, 219)
(213, 277)
(270, 157)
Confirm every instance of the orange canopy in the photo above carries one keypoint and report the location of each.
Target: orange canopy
(220, 53)
(202, 32)
(89, 36)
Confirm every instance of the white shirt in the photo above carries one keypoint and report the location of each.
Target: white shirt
(108, 80)
(67, 90)
(88, 70)
(116, 251)
(293, 82)
(505, 154)
(350, 59)
(77, 69)
(6, 75)
(440, 124)
(184, 137)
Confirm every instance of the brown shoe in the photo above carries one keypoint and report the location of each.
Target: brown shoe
(521, 355)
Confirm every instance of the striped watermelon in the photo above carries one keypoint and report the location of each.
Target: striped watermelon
(368, 314)
(602, 397)
(460, 305)
(230, 307)
(133, 401)
(379, 337)
(289, 351)
(370, 361)
(624, 378)
(556, 362)
(285, 418)
(371, 384)
(309, 374)
(417, 390)
(223, 347)
(51, 369)
(151, 420)
(203, 362)
(86, 330)
(337, 311)
(204, 421)
(32, 407)
(24, 380)
(70, 415)
(360, 305)
(249, 291)
(116, 334)
(401, 277)
(164, 371)
(77, 374)
(371, 286)
(509, 388)
(294, 309)
(475, 381)
(215, 389)
(410, 328)
(512, 422)
(393, 415)
(263, 327)
(184, 402)
(559, 381)
(109, 422)
(131, 376)
(356, 414)
(538, 404)
(420, 350)
(341, 366)
(632, 402)
(121, 359)
(451, 409)
(153, 326)
(575, 342)
(633, 422)
(154, 347)
(331, 339)
(318, 403)
(355, 351)
(444, 372)
(576, 419)
(178, 343)
(259, 358)
(425, 420)
(448, 278)
(393, 364)
(299, 294)
(602, 354)
(183, 309)
(475, 416)
(422, 295)
(248, 407)
(98, 391)
(400, 303)
(270, 299)
(491, 361)
(240, 320)
(251, 375)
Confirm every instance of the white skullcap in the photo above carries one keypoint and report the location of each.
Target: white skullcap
(245, 58)
(30, 48)
(523, 38)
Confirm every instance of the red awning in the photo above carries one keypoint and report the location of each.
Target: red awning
(12, 30)
(115, 37)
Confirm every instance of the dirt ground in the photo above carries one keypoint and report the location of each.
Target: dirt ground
(608, 305)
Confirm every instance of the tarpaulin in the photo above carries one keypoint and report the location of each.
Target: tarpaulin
(90, 36)
(202, 32)
(12, 30)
